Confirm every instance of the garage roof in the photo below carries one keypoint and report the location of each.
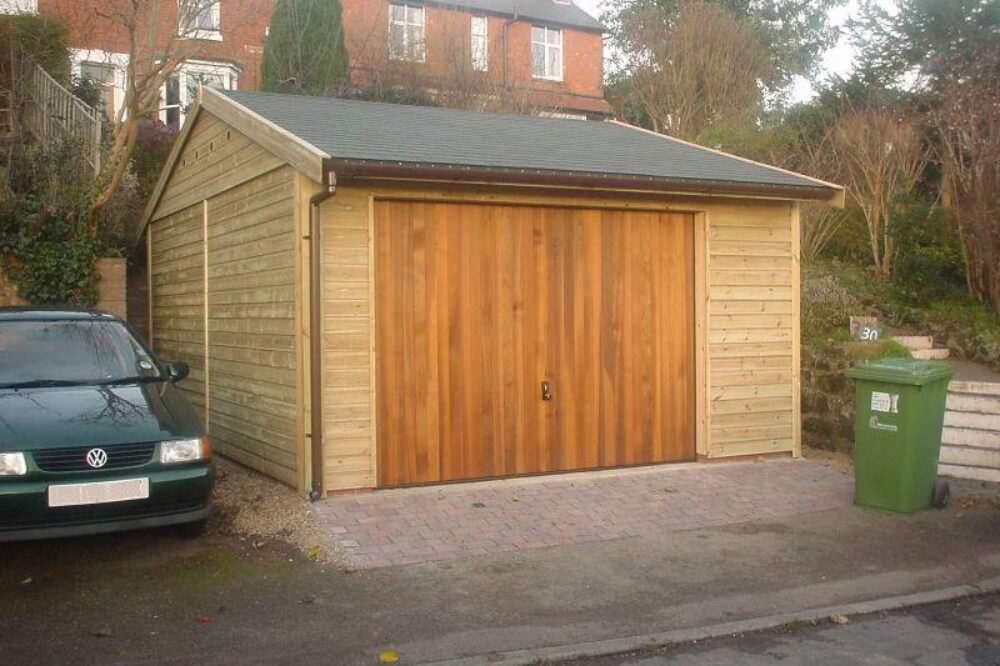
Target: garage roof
(364, 137)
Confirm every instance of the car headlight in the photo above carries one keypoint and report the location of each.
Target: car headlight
(13, 464)
(184, 450)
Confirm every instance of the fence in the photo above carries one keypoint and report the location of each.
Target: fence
(53, 113)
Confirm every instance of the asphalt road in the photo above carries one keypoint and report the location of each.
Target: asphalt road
(155, 598)
(966, 631)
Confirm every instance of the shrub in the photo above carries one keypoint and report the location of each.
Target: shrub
(826, 308)
(929, 263)
(48, 242)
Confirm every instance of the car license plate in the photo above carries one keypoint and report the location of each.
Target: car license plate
(101, 492)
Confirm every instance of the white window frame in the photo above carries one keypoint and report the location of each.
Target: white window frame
(118, 61)
(18, 6)
(415, 52)
(182, 73)
(564, 115)
(479, 43)
(209, 34)
(547, 45)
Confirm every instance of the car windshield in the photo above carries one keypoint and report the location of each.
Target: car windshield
(70, 352)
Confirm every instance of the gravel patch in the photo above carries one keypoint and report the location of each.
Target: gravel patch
(258, 509)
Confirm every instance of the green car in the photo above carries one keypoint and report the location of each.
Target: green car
(94, 435)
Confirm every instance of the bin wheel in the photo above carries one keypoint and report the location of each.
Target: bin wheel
(942, 493)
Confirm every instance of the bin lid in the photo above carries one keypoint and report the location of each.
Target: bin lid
(902, 371)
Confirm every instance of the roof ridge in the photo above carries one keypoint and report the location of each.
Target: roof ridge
(425, 108)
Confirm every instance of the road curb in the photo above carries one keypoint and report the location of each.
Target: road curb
(645, 641)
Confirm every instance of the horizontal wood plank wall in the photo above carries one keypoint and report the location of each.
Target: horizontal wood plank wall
(348, 435)
(244, 197)
(750, 329)
(215, 159)
(253, 363)
(177, 279)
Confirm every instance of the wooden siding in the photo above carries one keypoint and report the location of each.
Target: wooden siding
(215, 158)
(224, 277)
(348, 375)
(747, 302)
(752, 328)
(177, 279)
(252, 345)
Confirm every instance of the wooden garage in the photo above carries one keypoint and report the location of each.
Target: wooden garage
(374, 295)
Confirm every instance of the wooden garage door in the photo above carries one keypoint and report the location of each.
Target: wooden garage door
(478, 305)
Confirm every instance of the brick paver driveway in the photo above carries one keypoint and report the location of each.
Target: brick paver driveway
(408, 525)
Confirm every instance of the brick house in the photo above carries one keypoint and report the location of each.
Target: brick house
(226, 45)
(546, 54)
(541, 56)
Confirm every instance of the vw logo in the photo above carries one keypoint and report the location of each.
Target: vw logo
(97, 458)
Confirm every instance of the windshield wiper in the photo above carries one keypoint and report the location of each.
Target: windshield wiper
(36, 383)
(137, 379)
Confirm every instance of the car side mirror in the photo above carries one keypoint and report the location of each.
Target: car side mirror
(177, 371)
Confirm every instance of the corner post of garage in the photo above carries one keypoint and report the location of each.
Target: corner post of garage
(315, 329)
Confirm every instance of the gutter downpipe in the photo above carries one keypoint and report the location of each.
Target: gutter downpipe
(506, 48)
(315, 331)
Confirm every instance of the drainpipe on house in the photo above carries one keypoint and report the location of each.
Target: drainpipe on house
(506, 49)
(315, 333)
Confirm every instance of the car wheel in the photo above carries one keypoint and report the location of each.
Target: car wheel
(192, 530)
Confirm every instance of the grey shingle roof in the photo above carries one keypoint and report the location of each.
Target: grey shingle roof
(389, 133)
(547, 11)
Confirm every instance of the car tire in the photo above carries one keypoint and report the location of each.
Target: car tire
(192, 530)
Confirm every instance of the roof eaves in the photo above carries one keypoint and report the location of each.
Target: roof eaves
(837, 193)
(168, 169)
(290, 147)
(593, 26)
(347, 169)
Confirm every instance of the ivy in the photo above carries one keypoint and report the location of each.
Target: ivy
(49, 245)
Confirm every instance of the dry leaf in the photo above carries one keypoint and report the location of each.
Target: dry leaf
(388, 657)
(837, 618)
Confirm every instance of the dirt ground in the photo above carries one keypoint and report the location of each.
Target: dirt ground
(256, 509)
(842, 462)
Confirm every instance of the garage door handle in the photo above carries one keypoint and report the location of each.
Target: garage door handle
(546, 390)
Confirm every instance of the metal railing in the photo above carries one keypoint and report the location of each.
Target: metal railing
(52, 113)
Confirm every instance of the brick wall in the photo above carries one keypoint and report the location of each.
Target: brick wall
(242, 25)
(110, 287)
(447, 39)
(8, 292)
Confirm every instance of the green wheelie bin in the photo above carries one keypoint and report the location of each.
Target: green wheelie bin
(897, 435)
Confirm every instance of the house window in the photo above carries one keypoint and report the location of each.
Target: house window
(106, 70)
(102, 76)
(480, 47)
(18, 6)
(199, 19)
(406, 32)
(546, 53)
(181, 89)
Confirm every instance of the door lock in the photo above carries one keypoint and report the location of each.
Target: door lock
(546, 390)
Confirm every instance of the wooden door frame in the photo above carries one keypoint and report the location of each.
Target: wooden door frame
(702, 413)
